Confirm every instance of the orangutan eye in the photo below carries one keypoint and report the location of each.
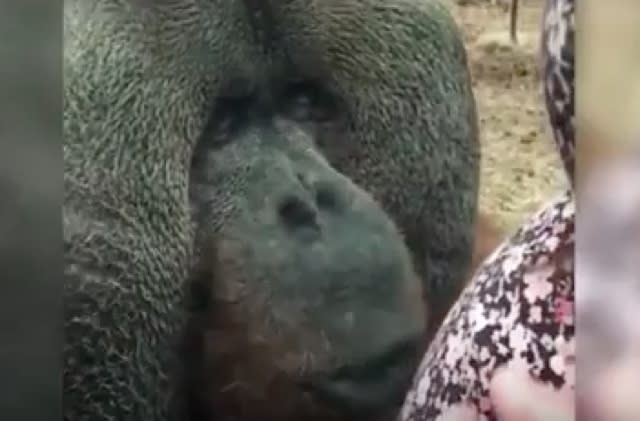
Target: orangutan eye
(309, 102)
(230, 114)
(301, 107)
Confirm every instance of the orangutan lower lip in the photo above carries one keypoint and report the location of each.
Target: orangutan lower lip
(375, 386)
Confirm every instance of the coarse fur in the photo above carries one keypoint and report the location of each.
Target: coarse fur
(147, 182)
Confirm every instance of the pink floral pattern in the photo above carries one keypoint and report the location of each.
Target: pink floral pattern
(517, 309)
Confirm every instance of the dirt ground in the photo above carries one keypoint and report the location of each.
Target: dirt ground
(520, 168)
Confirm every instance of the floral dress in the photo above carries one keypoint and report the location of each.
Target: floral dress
(518, 308)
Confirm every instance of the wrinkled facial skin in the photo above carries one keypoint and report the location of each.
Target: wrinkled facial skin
(251, 349)
(295, 139)
(321, 280)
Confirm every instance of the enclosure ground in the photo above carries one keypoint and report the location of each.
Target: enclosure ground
(520, 167)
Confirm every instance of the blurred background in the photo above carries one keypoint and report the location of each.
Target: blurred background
(608, 221)
(30, 209)
(608, 76)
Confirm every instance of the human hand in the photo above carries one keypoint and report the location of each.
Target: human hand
(515, 396)
(518, 397)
